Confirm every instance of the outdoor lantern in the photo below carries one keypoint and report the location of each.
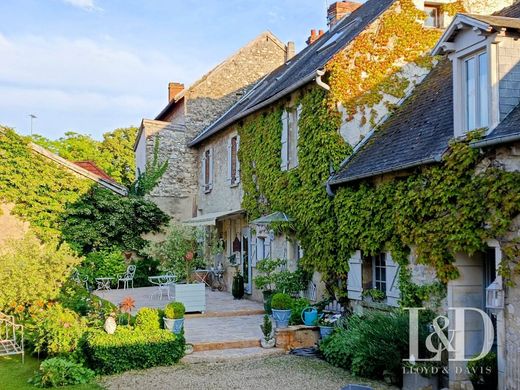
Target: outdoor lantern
(495, 296)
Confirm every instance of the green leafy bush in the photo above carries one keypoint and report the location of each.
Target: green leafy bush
(148, 319)
(31, 271)
(129, 349)
(281, 301)
(174, 310)
(102, 220)
(484, 372)
(107, 263)
(297, 307)
(291, 282)
(55, 331)
(266, 269)
(372, 346)
(57, 372)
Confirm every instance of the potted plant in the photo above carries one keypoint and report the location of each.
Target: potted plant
(281, 307)
(174, 317)
(268, 340)
(266, 279)
(326, 324)
(237, 289)
(192, 295)
(374, 295)
(421, 375)
(484, 372)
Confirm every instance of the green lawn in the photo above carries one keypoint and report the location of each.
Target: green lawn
(14, 374)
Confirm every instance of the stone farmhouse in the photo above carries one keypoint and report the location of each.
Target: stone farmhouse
(190, 110)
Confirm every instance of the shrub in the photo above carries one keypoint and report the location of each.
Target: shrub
(174, 310)
(109, 263)
(296, 310)
(484, 372)
(32, 271)
(56, 372)
(372, 346)
(281, 301)
(291, 282)
(129, 349)
(55, 331)
(148, 319)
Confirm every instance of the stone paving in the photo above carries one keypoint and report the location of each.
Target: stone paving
(217, 303)
(218, 329)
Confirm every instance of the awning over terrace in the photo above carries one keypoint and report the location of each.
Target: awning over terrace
(210, 219)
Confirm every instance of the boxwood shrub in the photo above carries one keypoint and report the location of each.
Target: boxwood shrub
(129, 349)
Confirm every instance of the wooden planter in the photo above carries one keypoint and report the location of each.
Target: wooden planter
(193, 296)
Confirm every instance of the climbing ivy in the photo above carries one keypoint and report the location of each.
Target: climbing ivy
(299, 192)
(39, 188)
(438, 210)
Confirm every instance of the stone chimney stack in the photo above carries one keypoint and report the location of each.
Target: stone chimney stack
(314, 36)
(339, 10)
(290, 51)
(174, 89)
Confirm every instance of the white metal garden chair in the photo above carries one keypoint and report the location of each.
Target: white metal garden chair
(11, 337)
(127, 278)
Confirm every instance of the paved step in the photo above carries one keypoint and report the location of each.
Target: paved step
(225, 355)
(225, 345)
(236, 313)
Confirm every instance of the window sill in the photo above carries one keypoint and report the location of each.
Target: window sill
(376, 305)
(234, 185)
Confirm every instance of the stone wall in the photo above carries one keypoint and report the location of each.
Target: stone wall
(512, 336)
(508, 74)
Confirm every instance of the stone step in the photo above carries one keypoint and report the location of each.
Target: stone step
(225, 345)
(236, 313)
(225, 355)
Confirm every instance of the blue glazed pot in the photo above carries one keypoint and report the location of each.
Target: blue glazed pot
(174, 326)
(325, 331)
(281, 318)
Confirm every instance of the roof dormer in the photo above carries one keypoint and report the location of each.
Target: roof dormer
(485, 53)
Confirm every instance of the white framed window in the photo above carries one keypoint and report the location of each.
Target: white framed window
(475, 91)
(207, 171)
(433, 16)
(290, 136)
(233, 176)
(379, 272)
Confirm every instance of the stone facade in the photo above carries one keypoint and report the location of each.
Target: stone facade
(196, 108)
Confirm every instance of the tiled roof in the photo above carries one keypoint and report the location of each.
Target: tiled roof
(417, 133)
(93, 168)
(301, 69)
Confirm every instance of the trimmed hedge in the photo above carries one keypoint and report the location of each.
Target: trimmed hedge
(129, 349)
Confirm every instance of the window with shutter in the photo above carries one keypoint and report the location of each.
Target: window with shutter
(354, 281)
(207, 170)
(392, 282)
(234, 159)
(285, 141)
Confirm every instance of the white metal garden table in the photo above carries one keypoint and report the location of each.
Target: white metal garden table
(104, 283)
(163, 283)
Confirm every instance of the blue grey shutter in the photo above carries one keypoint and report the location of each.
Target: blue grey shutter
(392, 281)
(355, 281)
(285, 141)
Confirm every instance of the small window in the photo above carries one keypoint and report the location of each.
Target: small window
(476, 86)
(233, 162)
(207, 171)
(379, 269)
(290, 136)
(433, 16)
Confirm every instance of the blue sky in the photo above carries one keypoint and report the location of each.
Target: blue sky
(94, 65)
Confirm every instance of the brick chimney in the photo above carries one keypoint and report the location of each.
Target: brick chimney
(339, 10)
(314, 36)
(290, 51)
(174, 89)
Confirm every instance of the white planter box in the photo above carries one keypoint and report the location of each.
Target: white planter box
(193, 296)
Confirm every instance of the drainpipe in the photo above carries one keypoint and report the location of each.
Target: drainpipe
(319, 74)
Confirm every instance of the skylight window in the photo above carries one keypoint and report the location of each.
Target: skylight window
(332, 40)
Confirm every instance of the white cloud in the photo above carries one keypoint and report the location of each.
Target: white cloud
(98, 83)
(87, 5)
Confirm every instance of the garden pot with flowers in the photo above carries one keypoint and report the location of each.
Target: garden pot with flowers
(327, 323)
(192, 295)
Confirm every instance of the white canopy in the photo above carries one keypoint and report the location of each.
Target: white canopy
(210, 219)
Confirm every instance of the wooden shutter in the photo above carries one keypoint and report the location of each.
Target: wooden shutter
(253, 252)
(210, 183)
(267, 247)
(237, 180)
(229, 162)
(285, 141)
(297, 134)
(392, 281)
(203, 172)
(354, 281)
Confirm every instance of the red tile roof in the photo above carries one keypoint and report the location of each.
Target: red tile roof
(93, 168)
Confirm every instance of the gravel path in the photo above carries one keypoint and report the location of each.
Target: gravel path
(284, 372)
